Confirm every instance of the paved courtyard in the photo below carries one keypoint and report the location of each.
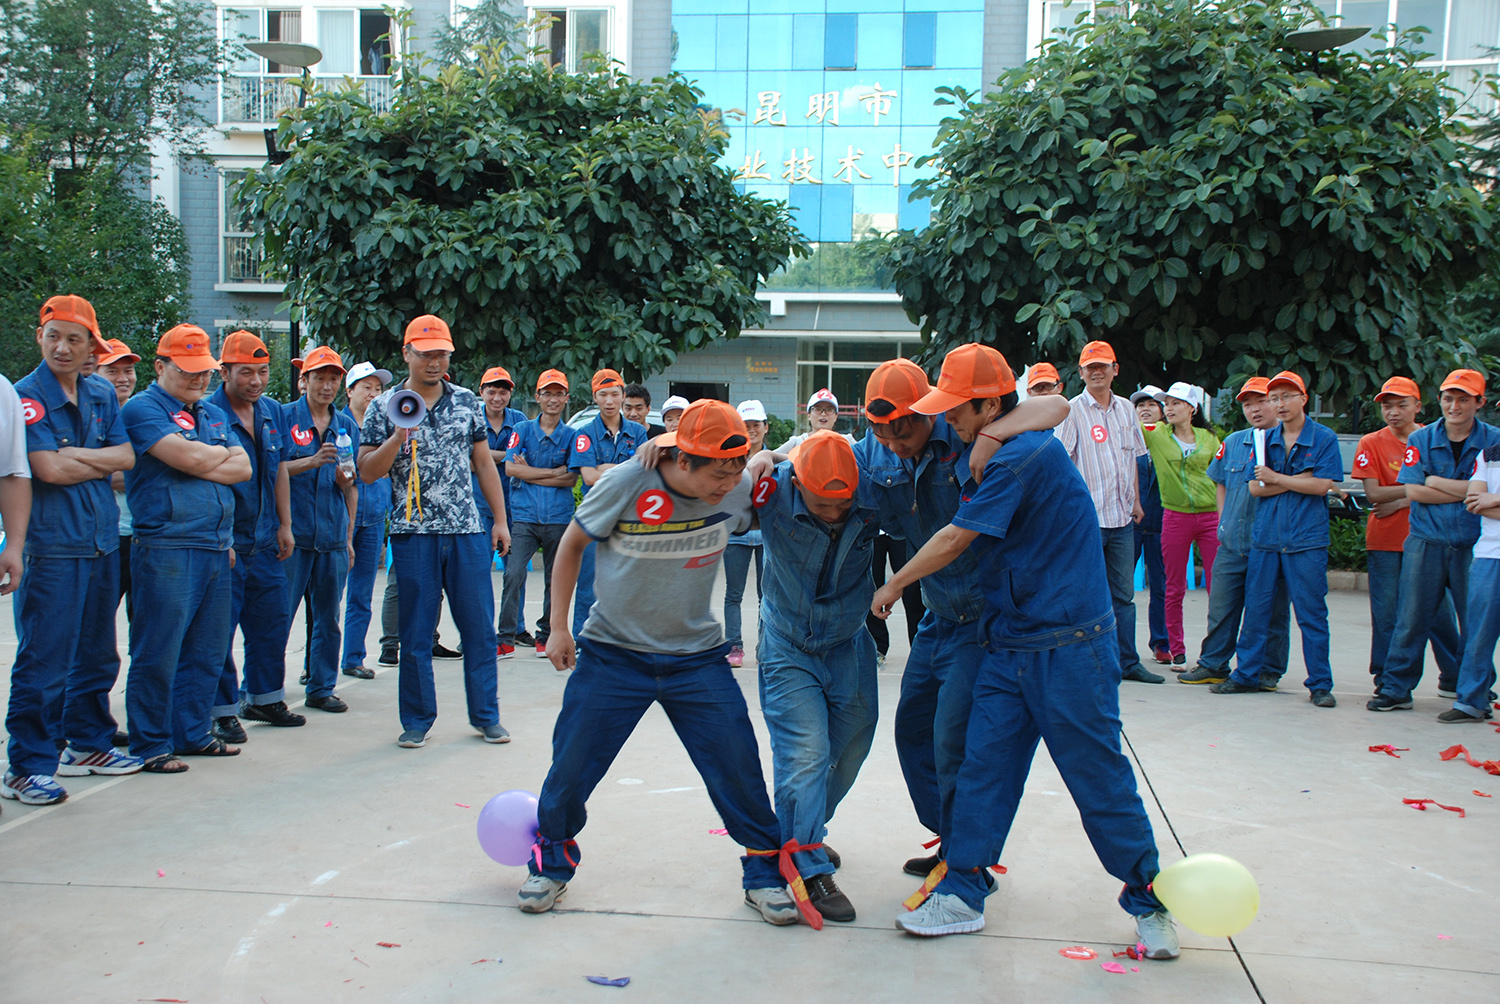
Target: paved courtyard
(276, 876)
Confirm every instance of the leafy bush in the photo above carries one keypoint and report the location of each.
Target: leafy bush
(1346, 545)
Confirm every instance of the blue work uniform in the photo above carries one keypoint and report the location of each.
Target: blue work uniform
(593, 446)
(499, 440)
(1289, 548)
(179, 577)
(917, 498)
(1438, 552)
(539, 516)
(258, 598)
(816, 657)
(67, 659)
(369, 551)
(1050, 671)
(319, 564)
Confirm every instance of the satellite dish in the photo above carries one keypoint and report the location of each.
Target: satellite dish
(293, 54)
(1321, 39)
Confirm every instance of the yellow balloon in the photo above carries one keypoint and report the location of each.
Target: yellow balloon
(1209, 893)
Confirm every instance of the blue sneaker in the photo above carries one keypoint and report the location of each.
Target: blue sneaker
(81, 763)
(36, 789)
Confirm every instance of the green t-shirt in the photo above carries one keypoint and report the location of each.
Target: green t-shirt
(1184, 481)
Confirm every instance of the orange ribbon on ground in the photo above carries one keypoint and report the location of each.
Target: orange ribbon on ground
(1390, 750)
(1454, 752)
(1423, 803)
(793, 878)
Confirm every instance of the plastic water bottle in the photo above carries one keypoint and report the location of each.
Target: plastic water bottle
(345, 447)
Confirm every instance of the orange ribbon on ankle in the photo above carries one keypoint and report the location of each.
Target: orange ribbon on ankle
(794, 878)
(935, 876)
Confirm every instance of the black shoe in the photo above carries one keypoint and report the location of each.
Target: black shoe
(1455, 717)
(390, 657)
(272, 714)
(120, 741)
(329, 703)
(1384, 702)
(228, 729)
(524, 640)
(1230, 687)
(441, 651)
(359, 672)
(921, 867)
(829, 900)
(302, 680)
(1140, 674)
(833, 857)
(1179, 660)
(1323, 699)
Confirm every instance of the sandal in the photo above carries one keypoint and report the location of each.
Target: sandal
(215, 747)
(167, 763)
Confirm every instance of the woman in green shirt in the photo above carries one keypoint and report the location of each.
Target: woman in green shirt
(1181, 448)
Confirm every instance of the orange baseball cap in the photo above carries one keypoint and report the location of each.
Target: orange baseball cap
(708, 429)
(322, 357)
(187, 346)
(496, 374)
(1399, 386)
(118, 351)
(1096, 352)
(79, 311)
(243, 347)
(899, 383)
(550, 377)
(1287, 377)
(1042, 373)
(824, 464)
(1468, 381)
(429, 334)
(969, 372)
(1255, 385)
(606, 378)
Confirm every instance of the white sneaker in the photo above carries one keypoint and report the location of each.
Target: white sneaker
(775, 904)
(941, 914)
(81, 763)
(539, 893)
(1157, 932)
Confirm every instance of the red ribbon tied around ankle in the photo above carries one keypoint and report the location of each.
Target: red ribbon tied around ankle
(1454, 752)
(788, 869)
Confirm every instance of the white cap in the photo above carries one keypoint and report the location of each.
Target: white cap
(359, 371)
(1183, 391)
(1150, 391)
(752, 411)
(824, 396)
(673, 403)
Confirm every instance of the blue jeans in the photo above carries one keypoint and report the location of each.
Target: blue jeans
(1119, 566)
(259, 605)
(359, 590)
(177, 645)
(1148, 544)
(583, 593)
(1304, 575)
(736, 574)
(1385, 606)
(518, 621)
(1477, 676)
(820, 709)
(66, 662)
(932, 714)
(1226, 603)
(320, 575)
(1430, 573)
(1070, 697)
(606, 696)
(429, 565)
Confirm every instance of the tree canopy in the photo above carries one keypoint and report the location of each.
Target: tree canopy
(1189, 187)
(551, 219)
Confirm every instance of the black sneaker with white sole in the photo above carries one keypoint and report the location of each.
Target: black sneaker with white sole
(1385, 702)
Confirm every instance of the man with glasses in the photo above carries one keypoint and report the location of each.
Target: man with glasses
(438, 544)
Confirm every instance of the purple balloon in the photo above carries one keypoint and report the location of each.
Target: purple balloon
(507, 826)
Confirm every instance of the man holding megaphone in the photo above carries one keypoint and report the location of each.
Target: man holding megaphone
(431, 441)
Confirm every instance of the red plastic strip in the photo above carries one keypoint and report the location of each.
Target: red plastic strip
(1390, 750)
(1423, 803)
(1453, 752)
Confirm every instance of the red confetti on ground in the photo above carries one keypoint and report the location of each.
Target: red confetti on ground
(1078, 952)
(1112, 967)
(1423, 803)
(1445, 937)
(462, 805)
(478, 961)
(388, 944)
(362, 962)
(1453, 752)
(999, 869)
(719, 833)
(1390, 750)
(160, 873)
(1482, 794)
(1136, 952)
(1135, 969)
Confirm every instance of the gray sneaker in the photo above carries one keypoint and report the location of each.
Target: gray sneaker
(493, 733)
(1158, 934)
(941, 914)
(539, 893)
(774, 903)
(412, 739)
(1202, 674)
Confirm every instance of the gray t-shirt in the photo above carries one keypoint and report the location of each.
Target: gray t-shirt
(657, 558)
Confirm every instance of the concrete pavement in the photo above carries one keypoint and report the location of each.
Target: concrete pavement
(286, 867)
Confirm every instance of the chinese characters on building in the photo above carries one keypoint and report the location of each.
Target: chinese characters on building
(822, 108)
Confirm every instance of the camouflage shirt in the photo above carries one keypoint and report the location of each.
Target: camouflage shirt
(444, 445)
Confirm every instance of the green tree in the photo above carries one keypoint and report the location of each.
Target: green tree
(551, 219)
(487, 24)
(1213, 202)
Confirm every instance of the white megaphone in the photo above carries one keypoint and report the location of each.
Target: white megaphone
(406, 409)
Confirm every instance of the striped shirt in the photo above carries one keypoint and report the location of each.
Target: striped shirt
(1103, 443)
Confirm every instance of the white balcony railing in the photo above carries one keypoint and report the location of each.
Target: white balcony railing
(260, 99)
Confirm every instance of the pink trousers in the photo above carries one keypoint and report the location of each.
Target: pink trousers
(1178, 531)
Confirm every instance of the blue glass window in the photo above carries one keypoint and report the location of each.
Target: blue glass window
(913, 215)
(838, 213)
(839, 47)
(733, 45)
(807, 42)
(806, 203)
(919, 50)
